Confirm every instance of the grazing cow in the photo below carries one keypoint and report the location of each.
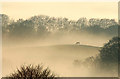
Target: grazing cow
(77, 43)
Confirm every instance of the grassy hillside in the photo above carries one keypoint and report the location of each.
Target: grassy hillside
(53, 56)
(60, 50)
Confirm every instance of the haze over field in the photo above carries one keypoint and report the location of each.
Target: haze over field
(65, 36)
(57, 58)
(56, 51)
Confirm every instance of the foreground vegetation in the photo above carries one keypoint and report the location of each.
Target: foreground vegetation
(32, 72)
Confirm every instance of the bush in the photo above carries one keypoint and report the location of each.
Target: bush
(110, 51)
(32, 72)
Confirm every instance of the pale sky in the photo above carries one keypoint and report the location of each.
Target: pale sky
(71, 10)
(60, 0)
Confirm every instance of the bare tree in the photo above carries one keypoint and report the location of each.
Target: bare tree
(32, 72)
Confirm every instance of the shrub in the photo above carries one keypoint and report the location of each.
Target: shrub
(32, 72)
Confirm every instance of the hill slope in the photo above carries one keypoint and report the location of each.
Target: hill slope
(56, 57)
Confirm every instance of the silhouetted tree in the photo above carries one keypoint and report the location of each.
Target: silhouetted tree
(113, 30)
(110, 51)
(5, 22)
(22, 28)
(32, 72)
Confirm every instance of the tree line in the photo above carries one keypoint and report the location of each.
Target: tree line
(42, 26)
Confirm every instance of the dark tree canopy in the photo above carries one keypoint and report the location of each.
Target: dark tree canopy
(5, 22)
(111, 51)
(21, 28)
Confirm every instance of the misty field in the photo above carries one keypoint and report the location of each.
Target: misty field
(69, 48)
(59, 58)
